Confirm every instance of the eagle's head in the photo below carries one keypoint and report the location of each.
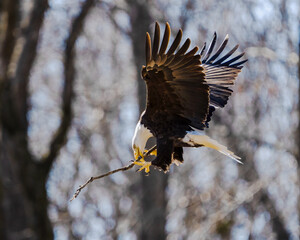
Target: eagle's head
(140, 138)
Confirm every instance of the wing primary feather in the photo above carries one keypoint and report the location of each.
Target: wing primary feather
(219, 51)
(156, 41)
(184, 47)
(175, 43)
(169, 60)
(192, 52)
(148, 48)
(227, 55)
(237, 65)
(177, 61)
(203, 49)
(165, 40)
(233, 59)
(210, 48)
(191, 63)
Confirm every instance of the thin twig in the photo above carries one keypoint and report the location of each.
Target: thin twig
(108, 173)
(101, 176)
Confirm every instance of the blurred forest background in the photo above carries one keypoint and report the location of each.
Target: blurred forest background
(71, 94)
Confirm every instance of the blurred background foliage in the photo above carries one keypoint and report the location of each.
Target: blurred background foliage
(71, 95)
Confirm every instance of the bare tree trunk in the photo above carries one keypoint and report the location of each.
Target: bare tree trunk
(298, 129)
(23, 197)
(23, 193)
(153, 199)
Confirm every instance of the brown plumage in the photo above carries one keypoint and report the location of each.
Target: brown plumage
(183, 92)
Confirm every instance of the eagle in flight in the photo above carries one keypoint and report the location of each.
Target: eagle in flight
(183, 90)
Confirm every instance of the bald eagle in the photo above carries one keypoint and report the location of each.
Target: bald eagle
(183, 90)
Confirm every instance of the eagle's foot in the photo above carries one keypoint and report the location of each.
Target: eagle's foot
(144, 165)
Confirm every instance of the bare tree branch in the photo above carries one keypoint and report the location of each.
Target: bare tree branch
(60, 136)
(19, 57)
(20, 74)
(113, 8)
(18, 54)
(131, 165)
(101, 176)
(10, 17)
(9, 20)
(24, 202)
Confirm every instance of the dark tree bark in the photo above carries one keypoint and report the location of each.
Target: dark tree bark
(297, 154)
(153, 199)
(23, 197)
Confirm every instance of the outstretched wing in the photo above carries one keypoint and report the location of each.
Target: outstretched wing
(175, 80)
(220, 73)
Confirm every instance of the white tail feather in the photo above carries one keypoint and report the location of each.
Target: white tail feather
(208, 142)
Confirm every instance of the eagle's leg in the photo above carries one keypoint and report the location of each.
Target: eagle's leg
(165, 148)
(177, 157)
(144, 165)
(140, 161)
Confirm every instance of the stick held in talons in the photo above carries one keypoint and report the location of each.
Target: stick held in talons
(131, 165)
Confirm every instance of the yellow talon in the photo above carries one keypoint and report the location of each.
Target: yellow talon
(146, 166)
(140, 161)
(153, 153)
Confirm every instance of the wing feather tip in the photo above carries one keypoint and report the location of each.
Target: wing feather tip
(148, 36)
(148, 48)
